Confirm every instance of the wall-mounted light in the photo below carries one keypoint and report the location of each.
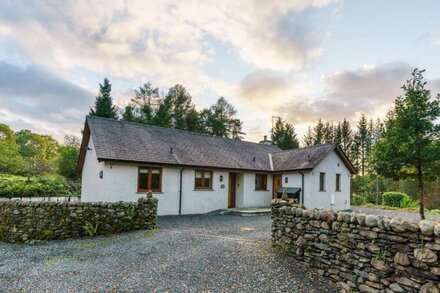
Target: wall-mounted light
(286, 179)
(221, 178)
(89, 149)
(101, 174)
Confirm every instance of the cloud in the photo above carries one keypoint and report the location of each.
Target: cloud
(161, 37)
(371, 90)
(36, 98)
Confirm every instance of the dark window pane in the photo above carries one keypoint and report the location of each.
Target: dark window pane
(155, 179)
(143, 179)
(198, 182)
(207, 182)
(321, 181)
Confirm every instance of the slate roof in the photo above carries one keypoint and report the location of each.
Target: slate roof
(133, 142)
(122, 141)
(301, 159)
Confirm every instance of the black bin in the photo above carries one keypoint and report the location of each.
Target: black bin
(292, 192)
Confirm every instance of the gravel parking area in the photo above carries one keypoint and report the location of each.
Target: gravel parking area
(395, 213)
(207, 253)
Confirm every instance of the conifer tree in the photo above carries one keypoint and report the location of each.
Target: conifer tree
(104, 103)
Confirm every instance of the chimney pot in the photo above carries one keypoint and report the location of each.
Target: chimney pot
(265, 137)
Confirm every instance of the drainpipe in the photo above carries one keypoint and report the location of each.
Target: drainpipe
(180, 192)
(302, 187)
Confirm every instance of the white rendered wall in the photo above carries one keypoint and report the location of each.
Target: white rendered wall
(90, 181)
(331, 165)
(119, 183)
(204, 201)
(249, 197)
(313, 197)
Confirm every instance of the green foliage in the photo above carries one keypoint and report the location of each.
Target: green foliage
(410, 145)
(90, 229)
(10, 158)
(435, 212)
(104, 102)
(393, 199)
(37, 186)
(47, 234)
(284, 136)
(358, 200)
(408, 203)
(69, 153)
(176, 110)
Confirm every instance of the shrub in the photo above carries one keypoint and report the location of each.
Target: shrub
(393, 199)
(358, 200)
(37, 186)
(408, 202)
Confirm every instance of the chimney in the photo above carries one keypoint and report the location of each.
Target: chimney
(265, 138)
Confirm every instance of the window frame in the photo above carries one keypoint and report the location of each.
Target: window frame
(264, 181)
(150, 173)
(203, 187)
(338, 182)
(321, 181)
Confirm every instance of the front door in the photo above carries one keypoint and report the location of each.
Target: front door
(232, 189)
(277, 183)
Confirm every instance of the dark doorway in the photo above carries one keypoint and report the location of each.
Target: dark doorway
(232, 189)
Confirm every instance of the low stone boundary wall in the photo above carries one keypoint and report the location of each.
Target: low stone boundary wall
(361, 252)
(28, 221)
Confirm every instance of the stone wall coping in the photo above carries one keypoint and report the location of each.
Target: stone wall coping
(426, 227)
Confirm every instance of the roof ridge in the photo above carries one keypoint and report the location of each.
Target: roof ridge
(306, 148)
(177, 130)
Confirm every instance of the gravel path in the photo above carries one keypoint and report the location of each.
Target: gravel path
(394, 214)
(208, 253)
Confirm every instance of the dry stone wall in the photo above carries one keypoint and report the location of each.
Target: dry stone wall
(24, 221)
(365, 253)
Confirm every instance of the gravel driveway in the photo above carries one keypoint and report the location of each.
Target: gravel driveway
(207, 253)
(407, 215)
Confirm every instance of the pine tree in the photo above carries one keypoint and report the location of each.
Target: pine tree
(308, 140)
(362, 143)
(284, 136)
(180, 105)
(328, 135)
(128, 114)
(318, 133)
(220, 120)
(104, 103)
(347, 139)
(338, 133)
(146, 103)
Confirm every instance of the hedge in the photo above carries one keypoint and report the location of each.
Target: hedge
(393, 199)
(36, 186)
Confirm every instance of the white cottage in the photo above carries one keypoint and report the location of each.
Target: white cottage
(193, 173)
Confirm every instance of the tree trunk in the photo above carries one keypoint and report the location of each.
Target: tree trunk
(421, 190)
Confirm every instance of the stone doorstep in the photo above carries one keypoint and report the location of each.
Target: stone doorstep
(258, 211)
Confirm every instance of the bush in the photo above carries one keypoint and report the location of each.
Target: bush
(408, 202)
(393, 199)
(358, 200)
(37, 186)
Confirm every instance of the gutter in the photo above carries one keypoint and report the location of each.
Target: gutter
(302, 187)
(180, 192)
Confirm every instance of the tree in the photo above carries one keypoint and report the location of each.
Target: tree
(284, 136)
(69, 153)
(145, 104)
(308, 137)
(181, 104)
(347, 139)
(318, 133)
(40, 152)
(362, 141)
(410, 145)
(10, 159)
(128, 114)
(104, 103)
(220, 120)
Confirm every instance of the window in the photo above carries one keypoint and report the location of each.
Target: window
(203, 179)
(149, 178)
(260, 182)
(321, 181)
(338, 182)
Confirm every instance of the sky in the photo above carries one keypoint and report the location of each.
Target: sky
(299, 60)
